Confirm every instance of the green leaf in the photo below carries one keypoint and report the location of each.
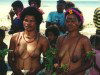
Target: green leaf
(50, 54)
(54, 73)
(3, 52)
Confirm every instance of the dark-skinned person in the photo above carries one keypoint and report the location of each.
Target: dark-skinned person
(95, 41)
(3, 46)
(73, 49)
(27, 46)
(16, 24)
(57, 17)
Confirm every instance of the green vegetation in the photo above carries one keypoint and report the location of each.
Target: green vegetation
(50, 55)
(3, 52)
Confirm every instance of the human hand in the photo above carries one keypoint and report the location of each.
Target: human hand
(11, 13)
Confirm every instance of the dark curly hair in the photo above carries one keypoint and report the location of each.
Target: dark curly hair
(2, 33)
(38, 2)
(18, 4)
(69, 4)
(32, 11)
(52, 29)
(78, 14)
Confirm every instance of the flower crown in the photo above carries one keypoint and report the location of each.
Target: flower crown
(71, 11)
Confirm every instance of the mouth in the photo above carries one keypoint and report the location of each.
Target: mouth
(27, 27)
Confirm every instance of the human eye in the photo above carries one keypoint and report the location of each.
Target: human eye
(26, 20)
(32, 20)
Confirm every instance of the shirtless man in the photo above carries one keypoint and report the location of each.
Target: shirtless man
(27, 46)
(72, 47)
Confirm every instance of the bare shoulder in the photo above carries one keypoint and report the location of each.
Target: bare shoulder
(44, 43)
(43, 39)
(15, 36)
(85, 41)
(61, 37)
(84, 38)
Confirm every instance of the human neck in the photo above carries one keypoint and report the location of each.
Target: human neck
(74, 34)
(30, 34)
(60, 11)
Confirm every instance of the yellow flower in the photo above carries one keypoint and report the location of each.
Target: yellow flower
(70, 12)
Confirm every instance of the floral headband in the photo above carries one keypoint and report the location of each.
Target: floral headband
(71, 11)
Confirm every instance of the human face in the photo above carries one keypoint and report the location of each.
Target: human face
(29, 23)
(72, 23)
(34, 4)
(51, 36)
(16, 10)
(60, 8)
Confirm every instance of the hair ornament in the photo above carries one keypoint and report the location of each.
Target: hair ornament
(71, 11)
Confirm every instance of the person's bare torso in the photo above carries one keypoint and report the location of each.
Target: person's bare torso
(71, 51)
(27, 54)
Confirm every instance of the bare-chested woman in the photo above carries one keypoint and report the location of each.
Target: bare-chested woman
(28, 45)
(72, 47)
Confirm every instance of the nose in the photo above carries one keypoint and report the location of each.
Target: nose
(28, 23)
(68, 23)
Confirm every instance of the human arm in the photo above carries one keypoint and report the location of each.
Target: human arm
(60, 53)
(44, 46)
(11, 13)
(11, 57)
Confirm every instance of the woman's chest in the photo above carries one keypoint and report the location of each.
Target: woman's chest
(72, 47)
(24, 48)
